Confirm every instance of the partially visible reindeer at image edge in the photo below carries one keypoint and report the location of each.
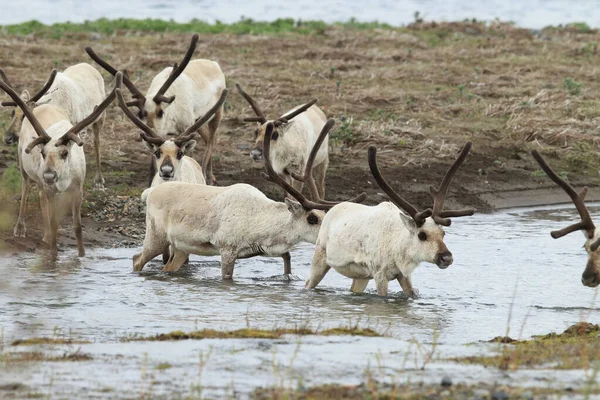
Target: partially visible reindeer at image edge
(176, 98)
(383, 242)
(236, 221)
(591, 274)
(76, 91)
(48, 157)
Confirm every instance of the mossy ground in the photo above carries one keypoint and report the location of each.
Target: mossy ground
(576, 348)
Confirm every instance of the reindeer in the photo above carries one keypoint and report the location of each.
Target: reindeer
(382, 242)
(76, 91)
(236, 221)
(177, 97)
(48, 158)
(591, 274)
(295, 134)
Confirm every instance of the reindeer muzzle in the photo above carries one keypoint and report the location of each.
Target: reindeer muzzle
(591, 276)
(444, 260)
(10, 138)
(50, 177)
(256, 154)
(166, 172)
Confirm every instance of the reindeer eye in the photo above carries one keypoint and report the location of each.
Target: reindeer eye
(312, 219)
(275, 135)
(422, 236)
(160, 113)
(64, 153)
(12, 114)
(157, 153)
(179, 155)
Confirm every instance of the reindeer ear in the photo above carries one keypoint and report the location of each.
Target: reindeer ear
(25, 95)
(188, 146)
(408, 221)
(294, 207)
(151, 147)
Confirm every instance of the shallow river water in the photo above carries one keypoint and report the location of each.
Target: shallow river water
(504, 261)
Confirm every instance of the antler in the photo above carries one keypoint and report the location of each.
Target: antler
(43, 137)
(272, 176)
(37, 96)
(71, 134)
(399, 201)
(191, 131)
(260, 116)
(440, 216)
(140, 99)
(578, 199)
(160, 97)
(286, 118)
(147, 133)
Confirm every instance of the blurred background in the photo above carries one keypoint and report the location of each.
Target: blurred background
(531, 14)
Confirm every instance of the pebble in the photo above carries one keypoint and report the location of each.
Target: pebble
(446, 381)
(500, 395)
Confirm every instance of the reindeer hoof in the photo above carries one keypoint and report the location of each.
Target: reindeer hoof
(20, 230)
(99, 184)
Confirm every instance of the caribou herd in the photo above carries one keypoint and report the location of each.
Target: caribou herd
(187, 213)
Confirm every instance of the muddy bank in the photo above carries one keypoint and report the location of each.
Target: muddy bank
(417, 93)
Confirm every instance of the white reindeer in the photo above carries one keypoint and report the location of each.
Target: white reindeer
(382, 242)
(591, 274)
(77, 91)
(236, 221)
(48, 158)
(177, 97)
(295, 134)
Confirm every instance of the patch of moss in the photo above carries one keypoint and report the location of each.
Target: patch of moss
(250, 333)
(576, 348)
(44, 340)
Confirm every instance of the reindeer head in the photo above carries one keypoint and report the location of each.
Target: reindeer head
(425, 227)
(152, 110)
(280, 125)
(11, 135)
(308, 213)
(56, 150)
(168, 153)
(591, 274)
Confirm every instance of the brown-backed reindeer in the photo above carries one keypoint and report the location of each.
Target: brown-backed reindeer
(591, 274)
(295, 134)
(76, 91)
(387, 241)
(177, 97)
(236, 221)
(49, 158)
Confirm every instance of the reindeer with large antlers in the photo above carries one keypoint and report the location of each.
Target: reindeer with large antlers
(382, 242)
(236, 221)
(177, 97)
(76, 91)
(591, 274)
(49, 157)
(294, 136)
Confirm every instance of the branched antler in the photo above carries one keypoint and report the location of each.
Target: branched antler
(160, 97)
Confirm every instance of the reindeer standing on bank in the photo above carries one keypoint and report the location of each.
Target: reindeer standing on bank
(177, 97)
(48, 157)
(382, 242)
(236, 221)
(293, 138)
(76, 91)
(591, 274)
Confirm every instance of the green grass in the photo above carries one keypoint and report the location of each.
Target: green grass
(243, 27)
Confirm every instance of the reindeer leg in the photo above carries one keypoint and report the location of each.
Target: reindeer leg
(287, 264)
(151, 171)
(407, 287)
(381, 283)
(176, 261)
(20, 230)
(155, 243)
(318, 268)
(213, 125)
(228, 258)
(53, 220)
(359, 285)
(76, 209)
(45, 217)
(166, 255)
(98, 179)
